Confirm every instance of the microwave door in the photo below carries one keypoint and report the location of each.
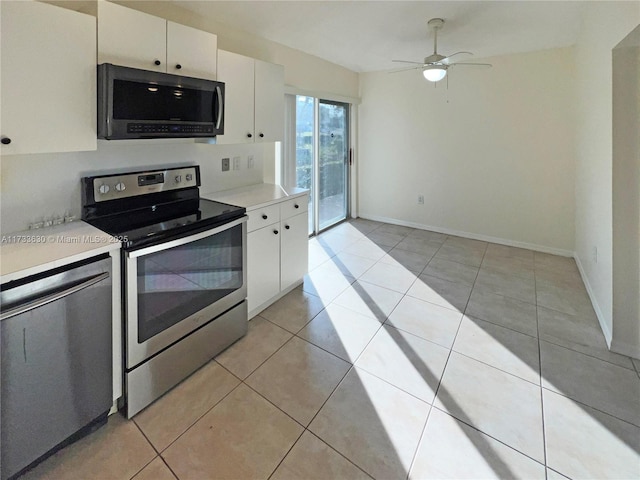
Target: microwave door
(135, 103)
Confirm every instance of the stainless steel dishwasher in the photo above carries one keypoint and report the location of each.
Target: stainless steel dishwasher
(56, 382)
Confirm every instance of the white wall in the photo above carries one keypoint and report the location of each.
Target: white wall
(626, 195)
(605, 24)
(47, 185)
(493, 155)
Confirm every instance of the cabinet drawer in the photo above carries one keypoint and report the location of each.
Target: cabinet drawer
(294, 206)
(261, 217)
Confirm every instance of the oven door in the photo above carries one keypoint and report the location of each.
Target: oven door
(173, 288)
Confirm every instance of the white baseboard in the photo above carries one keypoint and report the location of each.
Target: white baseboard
(608, 335)
(473, 236)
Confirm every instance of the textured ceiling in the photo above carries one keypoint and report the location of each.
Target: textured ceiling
(365, 36)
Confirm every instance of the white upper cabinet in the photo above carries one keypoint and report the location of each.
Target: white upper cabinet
(135, 39)
(131, 38)
(269, 102)
(191, 52)
(254, 99)
(236, 71)
(48, 83)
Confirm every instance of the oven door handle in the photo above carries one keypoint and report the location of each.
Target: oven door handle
(185, 240)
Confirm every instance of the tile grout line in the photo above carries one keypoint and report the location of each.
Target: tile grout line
(544, 429)
(586, 354)
(288, 452)
(145, 437)
(338, 452)
(472, 426)
(305, 428)
(272, 354)
(543, 388)
(495, 368)
(167, 465)
(158, 454)
(545, 339)
(138, 471)
(502, 442)
(200, 417)
(579, 402)
(444, 369)
(352, 367)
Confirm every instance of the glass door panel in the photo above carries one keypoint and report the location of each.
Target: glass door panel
(333, 151)
(321, 157)
(176, 283)
(305, 133)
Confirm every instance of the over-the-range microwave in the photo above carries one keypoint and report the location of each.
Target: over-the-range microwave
(135, 103)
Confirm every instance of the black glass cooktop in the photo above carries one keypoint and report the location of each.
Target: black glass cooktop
(160, 222)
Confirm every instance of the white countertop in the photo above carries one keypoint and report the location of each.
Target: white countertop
(36, 251)
(254, 196)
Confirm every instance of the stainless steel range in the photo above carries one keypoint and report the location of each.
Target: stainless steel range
(184, 273)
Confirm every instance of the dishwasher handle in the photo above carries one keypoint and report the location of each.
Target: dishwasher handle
(32, 305)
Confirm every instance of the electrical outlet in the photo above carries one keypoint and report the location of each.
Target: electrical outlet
(236, 163)
(420, 199)
(225, 164)
(250, 161)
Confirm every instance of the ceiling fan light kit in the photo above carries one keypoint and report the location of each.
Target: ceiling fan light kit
(435, 66)
(434, 73)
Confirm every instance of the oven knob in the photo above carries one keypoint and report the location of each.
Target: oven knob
(120, 187)
(103, 189)
(178, 178)
(189, 177)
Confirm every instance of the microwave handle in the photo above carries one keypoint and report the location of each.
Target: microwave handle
(220, 106)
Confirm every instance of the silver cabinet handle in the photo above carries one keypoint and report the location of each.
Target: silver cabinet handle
(12, 312)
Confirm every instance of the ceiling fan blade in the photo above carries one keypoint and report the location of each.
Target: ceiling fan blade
(404, 69)
(407, 61)
(484, 65)
(447, 60)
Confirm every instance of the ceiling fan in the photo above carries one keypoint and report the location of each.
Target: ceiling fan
(435, 66)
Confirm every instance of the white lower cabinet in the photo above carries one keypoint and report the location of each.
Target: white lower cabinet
(294, 248)
(277, 251)
(263, 265)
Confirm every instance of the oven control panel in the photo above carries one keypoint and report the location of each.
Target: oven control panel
(112, 187)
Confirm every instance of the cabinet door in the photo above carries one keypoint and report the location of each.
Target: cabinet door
(263, 265)
(131, 38)
(269, 103)
(191, 52)
(236, 71)
(294, 250)
(48, 85)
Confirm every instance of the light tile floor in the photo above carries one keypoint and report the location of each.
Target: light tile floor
(405, 354)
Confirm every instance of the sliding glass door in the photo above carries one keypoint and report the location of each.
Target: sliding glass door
(333, 156)
(320, 159)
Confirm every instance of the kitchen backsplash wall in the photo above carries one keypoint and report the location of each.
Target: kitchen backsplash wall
(37, 187)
